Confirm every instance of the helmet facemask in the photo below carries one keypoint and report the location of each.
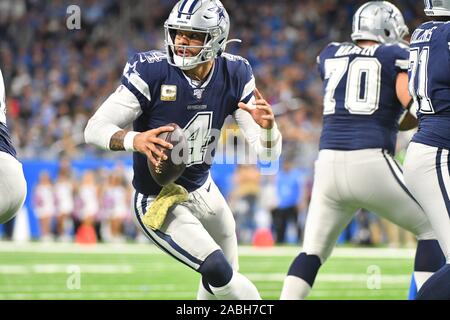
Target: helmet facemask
(206, 53)
(207, 16)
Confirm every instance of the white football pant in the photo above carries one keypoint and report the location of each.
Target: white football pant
(195, 229)
(427, 172)
(345, 181)
(13, 187)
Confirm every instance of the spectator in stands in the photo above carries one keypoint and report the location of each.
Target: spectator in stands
(289, 183)
(88, 195)
(243, 200)
(116, 203)
(44, 205)
(64, 201)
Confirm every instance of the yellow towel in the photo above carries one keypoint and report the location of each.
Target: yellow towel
(169, 196)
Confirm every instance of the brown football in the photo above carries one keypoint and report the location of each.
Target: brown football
(171, 169)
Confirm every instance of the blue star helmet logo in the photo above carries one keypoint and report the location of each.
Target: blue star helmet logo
(391, 12)
(220, 12)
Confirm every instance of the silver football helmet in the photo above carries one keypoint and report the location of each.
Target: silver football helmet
(437, 7)
(379, 21)
(208, 16)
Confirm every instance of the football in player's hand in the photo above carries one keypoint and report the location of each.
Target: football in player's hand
(167, 171)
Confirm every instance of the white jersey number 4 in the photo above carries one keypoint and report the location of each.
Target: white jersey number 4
(198, 134)
(362, 94)
(2, 100)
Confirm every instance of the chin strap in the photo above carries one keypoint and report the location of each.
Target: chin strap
(225, 44)
(232, 40)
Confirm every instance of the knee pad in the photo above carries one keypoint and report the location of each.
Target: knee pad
(216, 270)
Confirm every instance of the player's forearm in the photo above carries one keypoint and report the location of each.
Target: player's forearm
(99, 132)
(105, 128)
(108, 136)
(270, 144)
(117, 140)
(123, 140)
(265, 142)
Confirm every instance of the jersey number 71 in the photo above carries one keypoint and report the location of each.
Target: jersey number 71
(418, 79)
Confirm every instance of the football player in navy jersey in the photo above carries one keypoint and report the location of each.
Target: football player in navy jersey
(365, 93)
(427, 163)
(13, 187)
(195, 85)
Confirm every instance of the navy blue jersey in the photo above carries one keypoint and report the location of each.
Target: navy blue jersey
(361, 108)
(5, 140)
(429, 82)
(166, 96)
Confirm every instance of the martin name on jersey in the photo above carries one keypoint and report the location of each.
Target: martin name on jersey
(166, 95)
(361, 108)
(429, 82)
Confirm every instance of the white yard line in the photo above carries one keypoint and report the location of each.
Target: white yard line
(103, 295)
(72, 248)
(388, 253)
(333, 277)
(357, 294)
(149, 249)
(66, 268)
(24, 288)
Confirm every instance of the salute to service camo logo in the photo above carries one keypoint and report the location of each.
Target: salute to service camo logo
(168, 93)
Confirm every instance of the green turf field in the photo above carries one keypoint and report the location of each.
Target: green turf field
(140, 271)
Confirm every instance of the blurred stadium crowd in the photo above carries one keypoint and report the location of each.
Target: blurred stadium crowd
(57, 77)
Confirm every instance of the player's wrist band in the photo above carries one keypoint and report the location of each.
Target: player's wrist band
(128, 141)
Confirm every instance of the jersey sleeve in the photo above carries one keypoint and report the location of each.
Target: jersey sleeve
(320, 68)
(401, 58)
(325, 54)
(135, 78)
(2, 100)
(246, 81)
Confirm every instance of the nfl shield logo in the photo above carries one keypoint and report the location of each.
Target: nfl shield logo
(198, 93)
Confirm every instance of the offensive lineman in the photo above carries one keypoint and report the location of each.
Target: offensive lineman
(196, 85)
(13, 187)
(365, 87)
(427, 163)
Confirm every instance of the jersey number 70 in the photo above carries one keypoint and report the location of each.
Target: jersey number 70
(362, 93)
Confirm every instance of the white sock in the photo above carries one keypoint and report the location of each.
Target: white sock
(239, 288)
(203, 294)
(421, 277)
(294, 288)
